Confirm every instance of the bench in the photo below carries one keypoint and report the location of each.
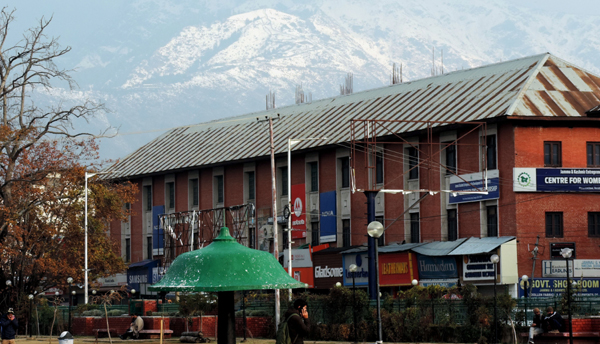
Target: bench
(102, 332)
(155, 334)
(582, 337)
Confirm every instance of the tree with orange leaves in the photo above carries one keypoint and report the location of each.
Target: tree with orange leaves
(43, 160)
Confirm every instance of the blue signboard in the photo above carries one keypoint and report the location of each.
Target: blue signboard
(545, 287)
(327, 202)
(141, 273)
(158, 233)
(474, 185)
(436, 267)
(557, 179)
(361, 276)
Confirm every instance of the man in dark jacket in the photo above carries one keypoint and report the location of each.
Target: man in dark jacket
(553, 322)
(10, 324)
(536, 325)
(298, 323)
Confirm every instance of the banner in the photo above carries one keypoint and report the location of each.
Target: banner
(478, 267)
(361, 276)
(583, 268)
(158, 233)
(556, 179)
(328, 218)
(474, 182)
(549, 287)
(301, 258)
(437, 267)
(298, 211)
(397, 269)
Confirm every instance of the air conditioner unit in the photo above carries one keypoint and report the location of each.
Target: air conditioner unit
(267, 231)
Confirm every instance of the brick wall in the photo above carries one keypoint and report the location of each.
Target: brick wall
(85, 326)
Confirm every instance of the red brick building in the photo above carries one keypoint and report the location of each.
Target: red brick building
(537, 123)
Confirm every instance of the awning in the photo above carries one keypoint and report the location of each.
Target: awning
(480, 245)
(399, 247)
(438, 248)
(146, 263)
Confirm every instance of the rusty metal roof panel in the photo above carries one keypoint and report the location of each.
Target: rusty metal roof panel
(540, 85)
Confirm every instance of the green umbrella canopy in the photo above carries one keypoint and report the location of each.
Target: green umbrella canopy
(225, 265)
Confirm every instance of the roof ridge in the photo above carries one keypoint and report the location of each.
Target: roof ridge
(527, 83)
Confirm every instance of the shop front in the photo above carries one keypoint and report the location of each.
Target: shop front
(302, 265)
(328, 267)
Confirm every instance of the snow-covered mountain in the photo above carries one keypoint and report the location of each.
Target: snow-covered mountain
(164, 63)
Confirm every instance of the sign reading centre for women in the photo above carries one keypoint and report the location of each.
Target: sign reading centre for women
(556, 179)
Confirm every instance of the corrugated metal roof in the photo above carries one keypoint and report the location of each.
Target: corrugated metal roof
(540, 85)
(399, 247)
(438, 248)
(480, 245)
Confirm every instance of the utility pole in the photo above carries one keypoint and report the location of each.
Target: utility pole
(275, 230)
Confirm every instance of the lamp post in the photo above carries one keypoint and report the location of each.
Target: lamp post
(292, 142)
(567, 253)
(130, 304)
(495, 259)
(525, 280)
(375, 230)
(352, 268)
(70, 282)
(414, 283)
(30, 311)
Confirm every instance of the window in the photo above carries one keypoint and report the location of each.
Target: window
(219, 182)
(414, 228)
(379, 168)
(314, 241)
(594, 224)
(195, 192)
(452, 224)
(251, 190)
(128, 250)
(413, 162)
(346, 233)
(554, 225)
(593, 154)
(314, 177)
(491, 152)
(492, 221)
(450, 158)
(345, 172)
(171, 194)
(148, 197)
(284, 181)
(149, 247)
(381, 239)
(552, 154)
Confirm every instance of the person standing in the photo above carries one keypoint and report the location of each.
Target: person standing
(536, 325)
(298, 323)
(137, 324)
(10, 325)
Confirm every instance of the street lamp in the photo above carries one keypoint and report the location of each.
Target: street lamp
(495, 259)
(292, 142)
(375, 230)
(338, 284)
(567, 253)
(132, 293)
(30, 311)
(414, 283)
(85, 248)
(70, 282)
(525, 280)
(352, 268)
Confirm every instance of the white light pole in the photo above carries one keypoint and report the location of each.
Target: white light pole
(85, 248)
(375, 230)
(292, 142)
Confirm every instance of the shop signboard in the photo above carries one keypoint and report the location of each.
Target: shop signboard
(328, 218)
(112, 281)
(447, 282)
(361, 276)
(478, 267)
(301, 258)
(474, 182)
(577, 268)
(556, 248)
(304, 275)
(556, 179)
(298, 211)
(437, 267)
(397, 269)
(328, 269)
(549, 287)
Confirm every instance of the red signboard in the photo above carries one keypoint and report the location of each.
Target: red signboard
(304, 275)
(298, 211)
(397, 268)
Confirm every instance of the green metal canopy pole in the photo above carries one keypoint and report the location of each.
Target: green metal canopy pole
(225, 266)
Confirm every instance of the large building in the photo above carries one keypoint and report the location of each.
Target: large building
(529, 128)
